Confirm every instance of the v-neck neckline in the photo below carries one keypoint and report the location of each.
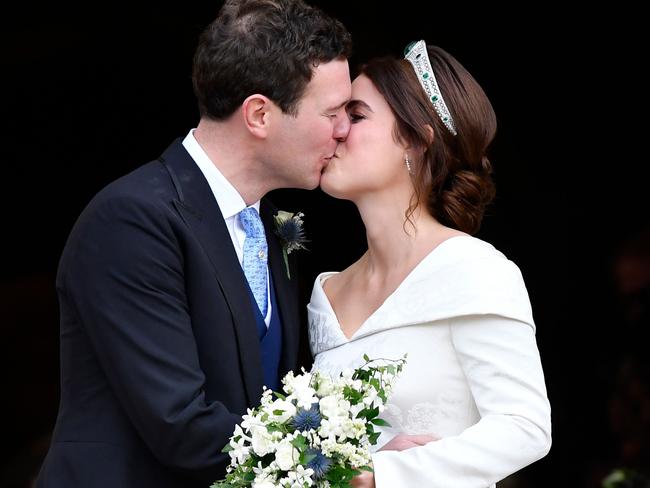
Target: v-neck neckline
(330, 308)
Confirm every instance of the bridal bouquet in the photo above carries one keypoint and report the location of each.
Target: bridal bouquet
(318, 433)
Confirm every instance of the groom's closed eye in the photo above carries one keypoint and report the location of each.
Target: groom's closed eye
(333, 111)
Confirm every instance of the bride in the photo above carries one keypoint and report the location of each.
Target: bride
(470, 407)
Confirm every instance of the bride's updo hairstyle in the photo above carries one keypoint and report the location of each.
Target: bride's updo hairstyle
(450, 172)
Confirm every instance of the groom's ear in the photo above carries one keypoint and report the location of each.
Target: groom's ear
(256, 110)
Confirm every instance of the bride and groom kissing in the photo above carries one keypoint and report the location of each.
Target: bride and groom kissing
(178, 298)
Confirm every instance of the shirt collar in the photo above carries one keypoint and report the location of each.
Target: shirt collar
(228, 198)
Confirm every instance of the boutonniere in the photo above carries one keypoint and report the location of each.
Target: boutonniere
(288, 227)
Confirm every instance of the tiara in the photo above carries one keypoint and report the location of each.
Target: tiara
(416, 54)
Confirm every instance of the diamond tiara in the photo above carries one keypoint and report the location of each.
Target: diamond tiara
(416, 54)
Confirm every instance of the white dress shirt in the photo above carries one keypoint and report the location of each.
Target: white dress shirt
(230, 203)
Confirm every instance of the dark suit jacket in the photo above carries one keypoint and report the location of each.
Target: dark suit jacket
(159, 350)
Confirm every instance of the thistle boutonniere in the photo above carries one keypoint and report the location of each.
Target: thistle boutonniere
(288, 227)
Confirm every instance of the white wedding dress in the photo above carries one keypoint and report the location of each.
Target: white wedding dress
(473, 375)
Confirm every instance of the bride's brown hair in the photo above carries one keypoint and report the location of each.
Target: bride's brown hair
(451, 174)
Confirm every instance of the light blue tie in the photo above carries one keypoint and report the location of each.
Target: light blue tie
(255, 255)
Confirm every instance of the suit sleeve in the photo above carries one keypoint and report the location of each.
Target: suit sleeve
(125, 279)
(501, 362)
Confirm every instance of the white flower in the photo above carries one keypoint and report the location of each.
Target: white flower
(329, 405)
(300, 389)
(240, 452)
(342, 427)
(300, 382)
(355, 409)
(267, 397)
(262, 441)
(264, 477)
(334, 406)
(264, 484)
(370, 397)
(251, 420)
(305, 397)
(325, 385)
(281, 410)
(358, 429)
(300, 477)
(286, 456)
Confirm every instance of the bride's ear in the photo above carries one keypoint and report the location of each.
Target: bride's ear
(256, 111)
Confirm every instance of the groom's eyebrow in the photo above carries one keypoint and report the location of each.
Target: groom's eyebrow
(339, 106)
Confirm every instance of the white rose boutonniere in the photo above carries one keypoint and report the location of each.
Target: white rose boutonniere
(288, 227)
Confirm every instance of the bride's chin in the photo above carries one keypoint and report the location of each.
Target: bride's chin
(328, 186)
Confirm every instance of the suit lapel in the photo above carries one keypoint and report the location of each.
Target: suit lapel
(285, 290)
(200, 211)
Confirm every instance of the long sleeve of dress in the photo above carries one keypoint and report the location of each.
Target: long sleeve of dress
(501, 362)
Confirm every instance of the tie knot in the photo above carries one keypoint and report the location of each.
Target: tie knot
(251, 222)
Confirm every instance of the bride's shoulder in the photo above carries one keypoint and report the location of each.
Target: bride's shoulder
(471, 260)
(465, 248)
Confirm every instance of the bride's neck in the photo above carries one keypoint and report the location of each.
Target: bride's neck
(395, 243)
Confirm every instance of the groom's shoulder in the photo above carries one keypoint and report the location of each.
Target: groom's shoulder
(146, 181)
(146, 185)
(146, 193)
(149, 183)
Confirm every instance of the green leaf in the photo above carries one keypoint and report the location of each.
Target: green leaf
(227, 448)
(381, 422)
(306, 458)
(279, 395)
(363, 413)
(299, 443)
(366, 358)
(372, 438)
(340, 476)
(278, 412)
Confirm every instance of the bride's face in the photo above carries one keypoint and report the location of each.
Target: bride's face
(370, 159)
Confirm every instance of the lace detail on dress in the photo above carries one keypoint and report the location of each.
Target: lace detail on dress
(323, 335)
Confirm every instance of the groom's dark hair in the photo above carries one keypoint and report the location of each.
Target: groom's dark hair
(270, 47)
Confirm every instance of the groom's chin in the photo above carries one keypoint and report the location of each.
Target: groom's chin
(313, 184)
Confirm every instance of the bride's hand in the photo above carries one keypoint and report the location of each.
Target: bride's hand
(364, 480)
(401, 442)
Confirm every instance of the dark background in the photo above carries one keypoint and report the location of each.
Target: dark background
(92, 94)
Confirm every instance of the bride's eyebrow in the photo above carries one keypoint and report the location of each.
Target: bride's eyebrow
(353, 104)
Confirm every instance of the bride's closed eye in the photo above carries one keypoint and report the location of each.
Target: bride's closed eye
(355, 110)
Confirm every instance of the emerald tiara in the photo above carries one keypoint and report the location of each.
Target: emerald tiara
(416, 54)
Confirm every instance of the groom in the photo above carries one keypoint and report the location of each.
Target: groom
(175, 303)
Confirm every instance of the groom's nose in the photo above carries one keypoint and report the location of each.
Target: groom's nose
(341, 127)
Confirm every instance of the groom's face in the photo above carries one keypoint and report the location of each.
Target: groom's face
(306, 142)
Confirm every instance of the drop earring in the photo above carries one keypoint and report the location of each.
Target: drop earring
(408, 163)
